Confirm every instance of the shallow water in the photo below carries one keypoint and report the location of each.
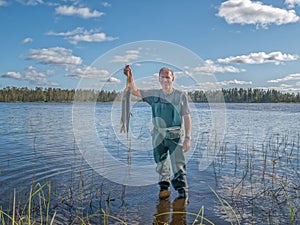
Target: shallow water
(257, 158)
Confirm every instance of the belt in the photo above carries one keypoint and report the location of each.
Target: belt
(170, 132)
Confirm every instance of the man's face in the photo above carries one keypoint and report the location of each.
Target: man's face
(166, 79)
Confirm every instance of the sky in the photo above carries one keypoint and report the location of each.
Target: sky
(59, 43)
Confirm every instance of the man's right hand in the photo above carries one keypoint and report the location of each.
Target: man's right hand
(127, 71)
(130, 83)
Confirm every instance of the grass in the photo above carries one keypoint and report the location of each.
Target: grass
(37, 210)
(258, 191)
(265, 185)
(227, 209)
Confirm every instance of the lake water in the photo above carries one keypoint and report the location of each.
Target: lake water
(253, 165)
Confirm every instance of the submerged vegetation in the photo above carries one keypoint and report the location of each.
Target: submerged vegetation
(254, 185)
(262, 186)
(38, 209)
(234, 95)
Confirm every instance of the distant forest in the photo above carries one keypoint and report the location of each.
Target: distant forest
(234, 95)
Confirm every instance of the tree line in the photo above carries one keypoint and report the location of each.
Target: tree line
(249, 95)
(233, 95)
(14, 94)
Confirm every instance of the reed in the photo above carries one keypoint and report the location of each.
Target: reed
(268, 190)
(258, 192)
(36, 209)
(231, 214)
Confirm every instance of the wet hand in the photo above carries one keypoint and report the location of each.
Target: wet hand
(186, 145)
(127, 71)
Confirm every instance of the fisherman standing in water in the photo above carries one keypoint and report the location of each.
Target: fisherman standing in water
(171, 132)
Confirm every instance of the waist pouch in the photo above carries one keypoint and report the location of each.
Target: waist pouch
(170, 132)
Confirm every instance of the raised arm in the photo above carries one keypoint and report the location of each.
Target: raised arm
(130, 82)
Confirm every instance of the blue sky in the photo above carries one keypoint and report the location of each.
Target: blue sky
(242, 43)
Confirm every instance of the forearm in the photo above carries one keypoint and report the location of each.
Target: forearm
(187, 130)
(187, 126)
(132, 87)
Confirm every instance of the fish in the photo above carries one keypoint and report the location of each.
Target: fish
(125, 115)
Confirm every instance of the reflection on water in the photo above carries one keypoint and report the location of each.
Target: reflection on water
(171, 213)
(255, 169)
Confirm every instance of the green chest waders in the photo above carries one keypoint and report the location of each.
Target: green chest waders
(166, 139)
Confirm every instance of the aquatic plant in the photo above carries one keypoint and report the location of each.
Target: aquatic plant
(35, 210)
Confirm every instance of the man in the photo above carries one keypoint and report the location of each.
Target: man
(171, 130)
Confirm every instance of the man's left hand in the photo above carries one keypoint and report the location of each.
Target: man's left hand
(186, 145)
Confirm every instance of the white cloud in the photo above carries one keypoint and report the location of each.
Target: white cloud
(14, 75)
(178, 74)
(89, 72)
(210, 67)
(260, 58)
(290, 77)
(27, 40)
(32, 75)
(77, 30)
(106, 4)
(292, 3)
(31, 2)
(114, 80)
(96, 37)
(208, 86)
(79, 34)
(234, 82)
(283, 88)
(37, 77)
(3, 3)
(55, 56)
(129, 55)
(256, 13)
(81, 12)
